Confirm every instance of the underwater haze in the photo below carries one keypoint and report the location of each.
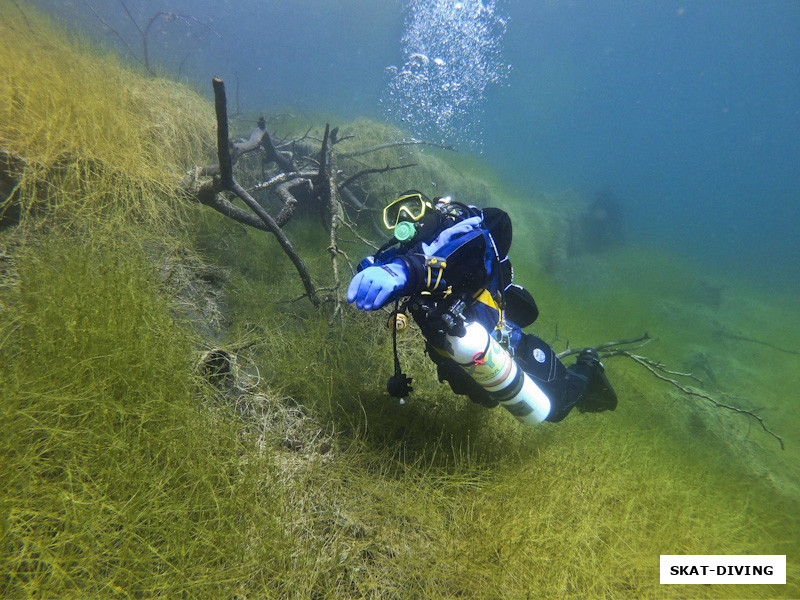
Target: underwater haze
(688, 112)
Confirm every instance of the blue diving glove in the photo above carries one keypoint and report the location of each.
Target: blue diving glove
(451, 233)
(375, 286)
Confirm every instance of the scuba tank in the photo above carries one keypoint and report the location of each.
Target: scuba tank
(492, 367)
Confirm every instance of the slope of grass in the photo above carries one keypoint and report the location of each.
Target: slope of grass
(440, 498)
(93, 134)
(125, 475)
(118, 479)
(122, 476)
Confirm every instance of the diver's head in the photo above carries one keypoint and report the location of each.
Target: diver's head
(411, 216)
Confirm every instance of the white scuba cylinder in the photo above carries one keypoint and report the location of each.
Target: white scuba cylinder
(488, 363)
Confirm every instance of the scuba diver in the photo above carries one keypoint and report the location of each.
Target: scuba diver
(449, 263)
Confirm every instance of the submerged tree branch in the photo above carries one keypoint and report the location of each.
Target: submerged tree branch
(117, 33)
(648, 364)
(228, 183)
(387, 145)
(329, 194)
(24, 16)
(742, 338)
(363, 172)
(660, 371)
(144, 34)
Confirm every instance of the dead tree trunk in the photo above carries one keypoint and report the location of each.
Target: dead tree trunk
(227, 182)
(329, 195)
(298, 170)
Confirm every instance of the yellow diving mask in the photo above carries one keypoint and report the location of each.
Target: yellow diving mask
(411, 206)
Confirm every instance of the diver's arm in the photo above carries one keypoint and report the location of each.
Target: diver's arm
(455, 260)
(459, 265)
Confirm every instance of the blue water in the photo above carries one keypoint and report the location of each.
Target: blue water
(688, 111)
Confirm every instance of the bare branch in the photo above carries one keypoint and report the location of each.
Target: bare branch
(259, 138)
(641, 340)
(169, 16)
(761, 342)
(117, 33)
(24, 16)
(647, 364)
(370, 149)
(130, 16)
(355, 233)
(660, 371)
(284, 162)
(144, 60)
(653, 364)
(363, 172)
(289, 199)
(326, 186)
(274, 181)
(209, 195)
(227, 182)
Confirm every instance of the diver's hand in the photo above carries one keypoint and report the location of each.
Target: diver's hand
(375, 286)
(449, 234)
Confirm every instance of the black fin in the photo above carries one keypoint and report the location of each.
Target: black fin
(599, 395)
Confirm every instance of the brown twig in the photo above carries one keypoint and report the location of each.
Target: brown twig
(169, 16)
(209, 195)
(144, 60)
(279, 179)
(377, 147)
(642, 340)
(742, 338)
(363, 240)
(647, 364)
(24, 16)
(117, 33)
(329, 193)
(289, 199)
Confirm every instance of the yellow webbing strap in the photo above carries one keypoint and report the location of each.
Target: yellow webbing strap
(484, 297)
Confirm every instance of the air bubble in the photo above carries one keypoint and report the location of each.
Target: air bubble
(444, 97)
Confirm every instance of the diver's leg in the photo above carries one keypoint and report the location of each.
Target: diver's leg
(587, 384)
(583, 384)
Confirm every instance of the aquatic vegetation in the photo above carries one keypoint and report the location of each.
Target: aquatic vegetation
(117, 479)
(125, 474)
(75, 117)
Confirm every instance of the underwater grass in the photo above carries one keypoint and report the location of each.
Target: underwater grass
(126, 476)
(661, 475)
(119, 480)
(579, 509)
(93, 134)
